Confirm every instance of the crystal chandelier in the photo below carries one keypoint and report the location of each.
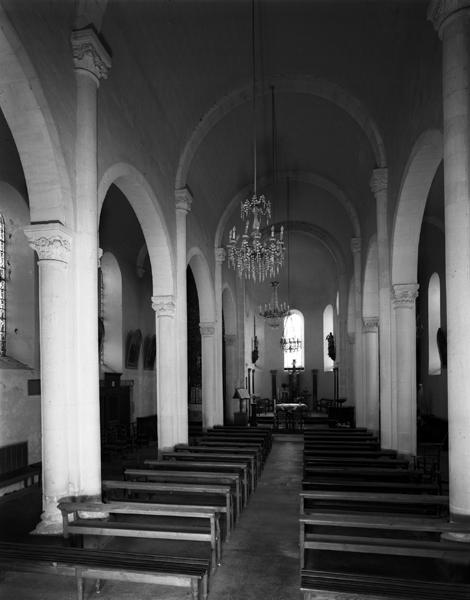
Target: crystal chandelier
(259, 252)
(290, 344)
(274, 312)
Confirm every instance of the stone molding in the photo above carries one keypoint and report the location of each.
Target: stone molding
(370, 324)
(230, 339)
(89, 54)
(207, 329)
(405, 294)
(184, 199)
(220, 255)
(51, 241)
(164, 305)
(100, 256)
(439, 11)
(379, 180)
(356, 244)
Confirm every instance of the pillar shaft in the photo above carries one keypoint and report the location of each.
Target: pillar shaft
(404, 303)
(167, 366)
(210, 414)
(52, 242)
(230, 376)
(91, 63)
(183, 206)
(359, 399)
(452, 19)
(379, 186)
(371, 374)
(220, 255)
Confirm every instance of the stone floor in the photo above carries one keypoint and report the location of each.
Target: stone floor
(260, 560)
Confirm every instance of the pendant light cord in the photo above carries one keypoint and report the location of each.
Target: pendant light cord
(253, 59)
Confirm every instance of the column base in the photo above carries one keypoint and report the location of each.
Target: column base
(50, 524)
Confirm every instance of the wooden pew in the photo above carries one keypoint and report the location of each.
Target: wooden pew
(409, 555)
(342, 443)
(84, 563)
(238, 446)
(214, 497)
(251, 438)
(168, 522)
(221, 450)
(313, 453)
(363, 473)
(249, 461)
(411, 504)
(248, 431)
(345, 461)
(356, 485)
(232, 479)
(216, 466)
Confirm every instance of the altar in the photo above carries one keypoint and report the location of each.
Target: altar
(290, 416)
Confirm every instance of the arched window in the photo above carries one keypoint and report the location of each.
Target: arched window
(328, 327)
(294, 330)
(3, 290)
(434, 323)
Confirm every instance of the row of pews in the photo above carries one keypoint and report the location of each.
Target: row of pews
(178, 510)
(372, 526)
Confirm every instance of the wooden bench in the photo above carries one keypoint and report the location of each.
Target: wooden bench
(398, 550)
(394, 464)
(249, 461)
(231, 479)
(82, 564)
(356, 485)
(236, 437)
(216, 466)
(418, 504)
(332, 434)
(167, 522)
(248, 431)
(341, 444)
(221, 450)
(313, 453)
(214, 497)
(363, 473)
(14, 467)
(237, 446)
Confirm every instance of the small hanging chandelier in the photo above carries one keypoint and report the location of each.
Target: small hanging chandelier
(259, 254)
(291, 344)
(274, 312)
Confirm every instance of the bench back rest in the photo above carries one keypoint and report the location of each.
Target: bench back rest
(13, 457)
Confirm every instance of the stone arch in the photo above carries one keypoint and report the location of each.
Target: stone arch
(204, 283)
(27, 113)
(419, 173)
(150, 216)
(301, 177)
(370, 293)
(284, 84)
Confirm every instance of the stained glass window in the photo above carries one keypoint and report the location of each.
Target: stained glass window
(3, 290)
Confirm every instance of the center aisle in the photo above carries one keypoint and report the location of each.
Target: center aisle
(261, 559)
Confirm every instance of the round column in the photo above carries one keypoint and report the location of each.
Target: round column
(359, 399)
(371, 374)
(209, 411)
(379, 187)
(452, 20)
(220, 256)
(52, 243)
(230, 375)
(404, 303)
(183, 206)
(91, 64)
(165, 326)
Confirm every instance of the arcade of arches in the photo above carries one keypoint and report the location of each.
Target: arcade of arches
(126, 147)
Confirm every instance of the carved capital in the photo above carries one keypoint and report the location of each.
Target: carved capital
(405, 294)
(356, 245)
(207, 329)
(89, 54)
(220, 255)
(183, 200)
(230, 339)
(164, 306)
(440, 11)
(370, 324)
(51, 241)
(379, 180)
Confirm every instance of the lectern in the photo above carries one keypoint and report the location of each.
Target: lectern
(243, 397)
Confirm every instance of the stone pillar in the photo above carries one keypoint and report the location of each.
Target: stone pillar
(209, 412)
(452, 20)
(167, 371)
(371, 374)
(230, 376)
(220, 255)
(91, 64)
(359, 399)
(315, 389)
(274, 385)
(379, 186)
(183, 206)
(52, 243)
(240, 305)
(404, 303)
